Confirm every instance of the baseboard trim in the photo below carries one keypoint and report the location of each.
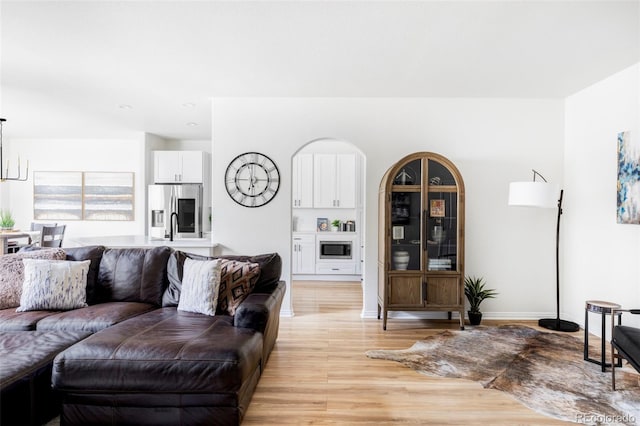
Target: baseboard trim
(513, 316)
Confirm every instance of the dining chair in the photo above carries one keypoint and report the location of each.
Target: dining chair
(38, 226)
(13, 246)
(51, 236)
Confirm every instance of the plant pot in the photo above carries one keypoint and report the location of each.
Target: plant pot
(474, 317)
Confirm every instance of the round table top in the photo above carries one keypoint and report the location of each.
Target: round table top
(601, 304)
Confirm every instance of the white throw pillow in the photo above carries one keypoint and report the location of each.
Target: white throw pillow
(200, 282)
(54, 285)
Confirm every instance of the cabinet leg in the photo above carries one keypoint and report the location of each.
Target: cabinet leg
(384, 319)
(378, 311)
(462, 320)
(449, 315)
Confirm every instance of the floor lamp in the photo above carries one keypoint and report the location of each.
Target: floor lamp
(544, 195)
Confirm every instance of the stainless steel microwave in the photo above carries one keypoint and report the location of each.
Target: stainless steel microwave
(328, 249)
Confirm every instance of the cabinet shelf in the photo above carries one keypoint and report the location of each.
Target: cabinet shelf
(406, 188)
(442, 188)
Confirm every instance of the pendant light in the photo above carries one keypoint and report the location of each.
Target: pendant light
(4, 173)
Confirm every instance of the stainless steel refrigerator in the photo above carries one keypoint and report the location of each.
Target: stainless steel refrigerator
(176, 208)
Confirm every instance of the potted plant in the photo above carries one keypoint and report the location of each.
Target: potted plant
(335, 225)
(476, 292)
(6, 220)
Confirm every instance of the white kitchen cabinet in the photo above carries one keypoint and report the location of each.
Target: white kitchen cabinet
(304, 254)
(302, 184)
(348, 268)
(334, 181)
(178, 166)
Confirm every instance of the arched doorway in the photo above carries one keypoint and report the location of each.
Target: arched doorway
(328, 212)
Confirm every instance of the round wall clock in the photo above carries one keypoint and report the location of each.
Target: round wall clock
(252, 179)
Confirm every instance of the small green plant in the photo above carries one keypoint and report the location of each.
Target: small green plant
(6, 219)
(476, 293)
(335, 223)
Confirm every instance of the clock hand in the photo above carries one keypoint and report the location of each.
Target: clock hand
(253, 177)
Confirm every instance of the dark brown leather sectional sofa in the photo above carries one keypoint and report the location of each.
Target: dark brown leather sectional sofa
(131, 357)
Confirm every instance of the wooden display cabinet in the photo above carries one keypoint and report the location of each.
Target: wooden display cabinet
(421, 237)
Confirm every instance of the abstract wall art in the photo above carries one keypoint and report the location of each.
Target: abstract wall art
(57, 195)
(628, 206)
(83, 195)
(108, 196)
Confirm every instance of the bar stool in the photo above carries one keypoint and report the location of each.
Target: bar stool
(603, 308)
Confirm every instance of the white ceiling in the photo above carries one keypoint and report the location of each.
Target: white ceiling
(66, 67)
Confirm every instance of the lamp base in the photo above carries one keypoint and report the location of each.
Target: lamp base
(558, 325)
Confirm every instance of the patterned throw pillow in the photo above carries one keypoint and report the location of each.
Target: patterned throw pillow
(54, 285)
(12, 273)
(237, 280)
(200, 281)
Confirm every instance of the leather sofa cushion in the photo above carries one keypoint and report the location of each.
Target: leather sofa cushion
(10, 320)
(93, 318)
(94, 254)
(162, 351)
(133, 275)
(270, 271)
(25, 353)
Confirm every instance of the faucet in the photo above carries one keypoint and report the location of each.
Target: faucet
(171, 225)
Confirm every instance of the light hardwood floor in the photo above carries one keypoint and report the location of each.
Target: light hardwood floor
(318, 373)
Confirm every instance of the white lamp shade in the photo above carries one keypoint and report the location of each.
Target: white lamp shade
(534, 194)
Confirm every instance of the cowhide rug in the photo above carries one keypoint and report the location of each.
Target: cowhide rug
(544, 371)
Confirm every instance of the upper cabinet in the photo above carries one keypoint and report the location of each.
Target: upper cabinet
(302, 180)
(178, 166)
(334, 181)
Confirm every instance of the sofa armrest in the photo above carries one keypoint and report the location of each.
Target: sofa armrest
(254, 312)
(620, 311)
(261, 312)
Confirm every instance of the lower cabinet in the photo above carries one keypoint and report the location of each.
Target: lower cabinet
(420, 291)
(406, 291)
(336, 268)
(304, 254)
(443, 291)
(306, 258)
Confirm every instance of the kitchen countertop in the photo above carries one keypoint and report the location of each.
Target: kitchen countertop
(123, 241)
(351, 233)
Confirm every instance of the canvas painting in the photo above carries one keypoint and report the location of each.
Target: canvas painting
(323, 224)
(437, 208)
(108, 196)
(57, 195)
(628, 208)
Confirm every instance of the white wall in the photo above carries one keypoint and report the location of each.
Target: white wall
(134, 154)
(492, 142)
(600, 256)
(100, 155)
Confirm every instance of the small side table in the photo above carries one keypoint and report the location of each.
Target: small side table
(603, 308)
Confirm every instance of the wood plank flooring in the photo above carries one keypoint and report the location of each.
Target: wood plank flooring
(318, 373)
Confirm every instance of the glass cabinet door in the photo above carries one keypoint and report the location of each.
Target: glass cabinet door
(441, 219)
(406, 231)
(406, 219)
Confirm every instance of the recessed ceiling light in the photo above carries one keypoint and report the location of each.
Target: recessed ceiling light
(192, 124)
(125, 106)
(188, 105)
